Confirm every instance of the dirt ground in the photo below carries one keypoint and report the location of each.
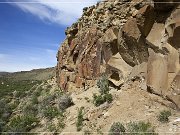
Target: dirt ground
(130, 104)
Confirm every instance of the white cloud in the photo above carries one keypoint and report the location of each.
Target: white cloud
(55, 11)
(32, 59)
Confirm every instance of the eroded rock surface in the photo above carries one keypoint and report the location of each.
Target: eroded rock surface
(124, 40)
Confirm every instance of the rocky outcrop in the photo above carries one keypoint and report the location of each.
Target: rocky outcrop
(124, 39)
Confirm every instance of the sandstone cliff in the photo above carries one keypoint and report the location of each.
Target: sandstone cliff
(124, 39)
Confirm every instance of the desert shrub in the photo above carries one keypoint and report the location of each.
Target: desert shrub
(100, 99)
(108, 97)
(16, 94)
(64, 102)
(164, 116)
(140, 128)
(51, 112)
(34, 100)
(11, 85)
(22, 123)
(2, 106)
(105, 96)
(5, 110)
(51, 127)
(37, 93)
(117, 129)
(49, 86)
(29, 108)
(2, 123)
(48, 99)
(61, 124)
(103, 84)
(79, 123)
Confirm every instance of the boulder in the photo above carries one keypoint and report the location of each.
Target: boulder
(173, 58)
(109, 41)
(157, 73)
(174, 92)
(135, 45)
(119, 69)
(154, 37)
(138, 71)
(145, 19)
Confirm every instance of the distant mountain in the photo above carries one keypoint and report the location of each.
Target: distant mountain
(35, 74)
(3, 73)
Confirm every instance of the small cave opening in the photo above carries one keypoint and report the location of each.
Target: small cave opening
(115, 76)
(75, 57)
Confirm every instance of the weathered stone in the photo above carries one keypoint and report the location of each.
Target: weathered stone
(138, 71)
(174, 92)
(157, 73)
(154, 37)
(63, 80)
(135, 43)
(109, 41)
(113, 37)
(119, 69)
(177, 82)
(173, 58)
(145, 19)
(79, 82)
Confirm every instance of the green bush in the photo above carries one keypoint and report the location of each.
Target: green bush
(34, 100)
(164, 116)
(79, 123)
(51, 127)
(51, 112)
(22, 123)
(103, 84)
(37, 93)
(117, 129)
(64, 102)
(100, 99)
(108, 97)
(5, 110)
(105, 96)
(48, 98)
(61, 124)
(140, 128)
(29, 108)
(2, 123)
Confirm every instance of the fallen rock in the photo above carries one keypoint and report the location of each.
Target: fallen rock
(135, 43)
(119, 69)
(154, 37)
(157, 73)
(145, 19)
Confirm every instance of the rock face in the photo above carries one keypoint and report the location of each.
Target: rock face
(124, 39)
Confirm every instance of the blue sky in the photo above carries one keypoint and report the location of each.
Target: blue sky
(31, 31)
